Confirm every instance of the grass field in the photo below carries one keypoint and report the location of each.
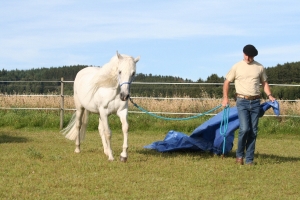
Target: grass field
(41, 164)
(37, 162)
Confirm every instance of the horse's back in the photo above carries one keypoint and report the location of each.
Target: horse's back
(83, 86)
(87, 95)
(86, 73)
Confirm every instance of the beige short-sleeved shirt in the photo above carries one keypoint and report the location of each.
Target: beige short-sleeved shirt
(247, 77)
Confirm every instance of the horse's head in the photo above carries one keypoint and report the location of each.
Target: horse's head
(126, 72)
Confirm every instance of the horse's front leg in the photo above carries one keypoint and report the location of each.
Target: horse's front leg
(102, 135)
(105, 135)
(123, 118)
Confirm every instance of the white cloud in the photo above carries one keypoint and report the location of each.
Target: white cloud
(53, 32)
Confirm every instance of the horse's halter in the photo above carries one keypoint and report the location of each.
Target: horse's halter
(126, 82)
(123, 98)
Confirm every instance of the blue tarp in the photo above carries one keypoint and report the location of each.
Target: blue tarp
(207, 136)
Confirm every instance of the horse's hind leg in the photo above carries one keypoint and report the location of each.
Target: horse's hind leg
(78, 123)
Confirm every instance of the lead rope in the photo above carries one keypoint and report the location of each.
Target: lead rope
(224, 126)
(168, 118)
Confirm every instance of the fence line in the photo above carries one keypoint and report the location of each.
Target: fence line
(163, 83)
(62, 109)
(146, 83)
(4, 108)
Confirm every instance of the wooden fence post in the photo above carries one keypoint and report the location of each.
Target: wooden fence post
(61, 103)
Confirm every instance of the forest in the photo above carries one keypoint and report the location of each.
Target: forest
(36, 81)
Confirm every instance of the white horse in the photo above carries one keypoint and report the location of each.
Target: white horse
(105, 91)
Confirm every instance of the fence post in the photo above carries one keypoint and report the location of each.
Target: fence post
(61, 103)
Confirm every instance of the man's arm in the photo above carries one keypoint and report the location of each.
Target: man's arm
(226, 86)
(267, 90)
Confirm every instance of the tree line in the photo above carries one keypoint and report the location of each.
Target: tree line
(287, 73)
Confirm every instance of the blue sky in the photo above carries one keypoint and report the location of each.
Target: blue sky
(189, 38)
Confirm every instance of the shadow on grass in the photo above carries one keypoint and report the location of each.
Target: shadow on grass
(260, 159)
(12, 139)
(170, 154)
(273, 159)
(268, 158)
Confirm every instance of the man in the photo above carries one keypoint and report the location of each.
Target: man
(247, 76)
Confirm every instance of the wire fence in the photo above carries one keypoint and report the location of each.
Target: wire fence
(62, 108)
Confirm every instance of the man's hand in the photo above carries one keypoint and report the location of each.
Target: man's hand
(271, 98)
(225, 102)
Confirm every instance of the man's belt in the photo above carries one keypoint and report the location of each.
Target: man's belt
(248, 97)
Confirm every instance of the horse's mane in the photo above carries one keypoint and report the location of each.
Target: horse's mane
(108, 74)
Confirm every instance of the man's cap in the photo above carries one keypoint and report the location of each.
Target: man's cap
(250, 50)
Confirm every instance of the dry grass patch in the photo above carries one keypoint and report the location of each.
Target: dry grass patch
(180, 105)
(34, 101)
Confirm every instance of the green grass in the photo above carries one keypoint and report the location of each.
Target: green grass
(39, 163)
(50, 120)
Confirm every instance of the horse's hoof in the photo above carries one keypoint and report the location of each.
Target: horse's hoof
(123, 159)
(110, 159)
(77, 151)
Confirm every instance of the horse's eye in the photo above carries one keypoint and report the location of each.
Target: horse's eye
(133, 73)
(120, 72)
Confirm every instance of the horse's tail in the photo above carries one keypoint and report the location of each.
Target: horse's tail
(70, 131)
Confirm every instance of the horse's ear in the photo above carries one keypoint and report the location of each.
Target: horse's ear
(119, 55)
(137, 59)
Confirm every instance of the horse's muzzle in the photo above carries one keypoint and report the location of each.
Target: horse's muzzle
(124, 97)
